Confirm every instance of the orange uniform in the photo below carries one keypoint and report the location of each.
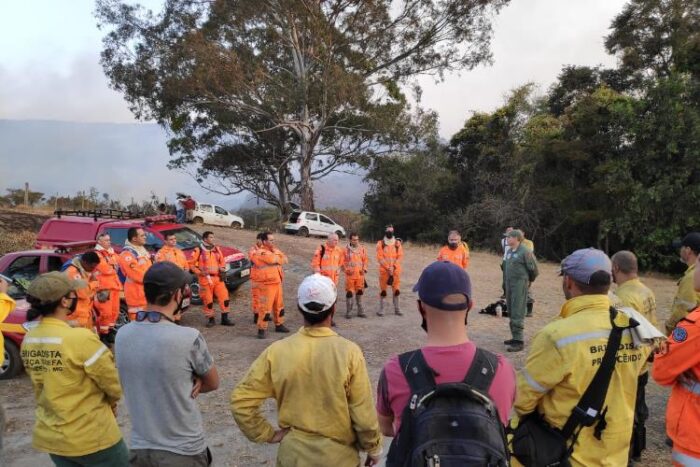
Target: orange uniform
(134, 266)
(355, 264)
(680, 368)
(389, 256)
(268, 272)
(83, 314)
(255, 284)
(174, 255)
(328, 262)
(209, 264)
(107, 276)
(458, 256)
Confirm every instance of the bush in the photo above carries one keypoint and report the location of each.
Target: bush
(261, 218)
(351, 220)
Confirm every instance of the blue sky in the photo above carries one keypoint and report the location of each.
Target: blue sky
(49, 64)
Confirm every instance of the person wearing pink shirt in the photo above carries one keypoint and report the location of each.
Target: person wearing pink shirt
(444, 292)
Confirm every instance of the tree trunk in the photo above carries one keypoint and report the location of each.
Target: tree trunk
(306, 193)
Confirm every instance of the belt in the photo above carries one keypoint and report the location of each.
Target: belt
(691, 386)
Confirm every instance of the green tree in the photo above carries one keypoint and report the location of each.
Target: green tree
(327, 72)
(15, 196)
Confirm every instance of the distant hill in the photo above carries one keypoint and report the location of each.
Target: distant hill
(124, 160)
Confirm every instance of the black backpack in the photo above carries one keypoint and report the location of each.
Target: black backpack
(451, 424)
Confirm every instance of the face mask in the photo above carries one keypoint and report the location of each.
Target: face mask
(389, 234)
(73, 306)
(453, 245)
(179, 302)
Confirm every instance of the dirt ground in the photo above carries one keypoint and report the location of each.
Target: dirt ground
(380, 337)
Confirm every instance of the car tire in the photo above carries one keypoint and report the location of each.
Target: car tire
(236, 225)
(339, 234)
(303, 231)
(12, 364)
(198, 220)
(123, 317)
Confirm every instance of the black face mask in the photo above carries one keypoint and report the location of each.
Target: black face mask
(389, 234)
(453, 246)
(179, 302)
(73, 306)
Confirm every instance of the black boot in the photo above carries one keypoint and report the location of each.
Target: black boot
(509, 342)
(255, 318)
(261, 334)
(225, 321)
(516, 346)
(281, 328)
(211, 323)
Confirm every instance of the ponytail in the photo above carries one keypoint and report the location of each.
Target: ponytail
(40, 309)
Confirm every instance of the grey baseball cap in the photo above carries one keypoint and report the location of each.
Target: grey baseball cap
(582, 264)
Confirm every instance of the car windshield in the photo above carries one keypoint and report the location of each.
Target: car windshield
(186, 238)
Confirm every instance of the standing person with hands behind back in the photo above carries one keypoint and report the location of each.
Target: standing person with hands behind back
(76, 385)
(163, 368)
(389, 256)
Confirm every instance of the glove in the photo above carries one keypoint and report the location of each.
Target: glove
(102, 296)
(390, 281)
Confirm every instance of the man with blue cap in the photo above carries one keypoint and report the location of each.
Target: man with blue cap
(565, 356)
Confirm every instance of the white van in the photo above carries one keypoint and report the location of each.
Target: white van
(307, 223)
(215, 215)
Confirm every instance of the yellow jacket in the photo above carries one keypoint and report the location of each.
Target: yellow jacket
(636, 295)
(686, 299)
(528, 244)
(75, 386)
(7, 304)
(323, 393)
(563, 358)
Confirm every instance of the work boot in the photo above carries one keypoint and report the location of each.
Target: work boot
(255, 318)
(261, 334)
(225, 321)
(360, 310)
(516, 346)
(381, 306)
(397, 310)
(211, 323)
(349, 303)
(509, 342)
(281, 328)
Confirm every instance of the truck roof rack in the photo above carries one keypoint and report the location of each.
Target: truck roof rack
(99, 214)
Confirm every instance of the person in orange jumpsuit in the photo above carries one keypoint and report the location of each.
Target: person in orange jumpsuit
(328, 259)
(82, 268)
(355, 265)
(456, 251)
(389, 255)
(109, 286)
(678, 365)
(134, 261)
(171, 252)
(268, 261)
(208, 263)
(255, 284)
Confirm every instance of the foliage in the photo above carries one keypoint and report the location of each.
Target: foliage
(15, 197)
(260, 218)
(268, 96)
(352, 221)
(608, 158)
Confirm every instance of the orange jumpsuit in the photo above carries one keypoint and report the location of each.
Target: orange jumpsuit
(268, 264)
(83, 314)
(388, 256)
(458, 256)
(680, 368)
(355, 263)
(255, 284)
(328, 262)
(134, 267)
(176, 256)
(108, 279)
(208, 264)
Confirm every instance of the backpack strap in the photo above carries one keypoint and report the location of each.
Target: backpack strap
(417, 372)
(482, 370)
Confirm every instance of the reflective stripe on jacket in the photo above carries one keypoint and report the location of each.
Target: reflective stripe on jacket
(206, 262)
(328, 261)
(390, 255)
(355, 261)
(562, 361)
(680, 368)
(75, 385)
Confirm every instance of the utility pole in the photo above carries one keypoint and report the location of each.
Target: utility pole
(26, 193)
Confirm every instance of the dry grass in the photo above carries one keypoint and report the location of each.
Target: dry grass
(16, 241)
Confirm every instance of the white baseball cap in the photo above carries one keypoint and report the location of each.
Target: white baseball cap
(316, 289)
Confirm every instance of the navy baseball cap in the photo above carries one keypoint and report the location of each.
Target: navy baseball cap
(582, 264)
(440, 280)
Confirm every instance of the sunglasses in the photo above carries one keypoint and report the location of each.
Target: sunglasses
(152, 316)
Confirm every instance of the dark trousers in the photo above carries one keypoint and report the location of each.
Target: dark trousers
(641, 414)
(116, 456)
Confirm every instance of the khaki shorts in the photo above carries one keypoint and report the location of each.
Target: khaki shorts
(159, 458)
